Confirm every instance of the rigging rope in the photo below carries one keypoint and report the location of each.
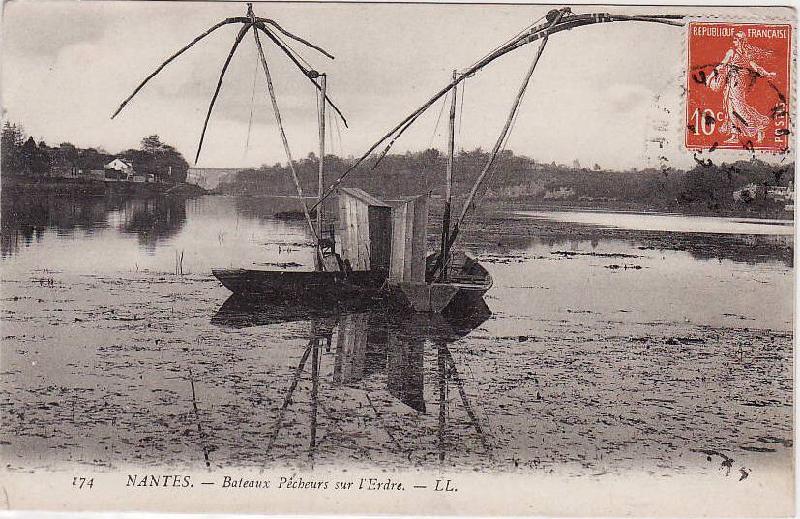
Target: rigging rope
(517, 35)
(293, 51)
(503, 135)
(439, 118)
(494, 167)
(252, 106)
(339, 133)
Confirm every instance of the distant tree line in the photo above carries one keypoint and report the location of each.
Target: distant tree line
(707, 187)
(22, 155)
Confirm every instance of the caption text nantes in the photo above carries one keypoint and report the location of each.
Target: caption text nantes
(287, 482)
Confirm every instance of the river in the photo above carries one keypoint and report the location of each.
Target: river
(609, 343)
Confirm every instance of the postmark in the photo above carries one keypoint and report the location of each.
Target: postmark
(738, 84)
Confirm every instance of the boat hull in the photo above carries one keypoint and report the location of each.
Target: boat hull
(359, 289)
(306, 287)
(464, 289)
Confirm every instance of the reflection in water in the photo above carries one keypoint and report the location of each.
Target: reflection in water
(151, 220)
(26, 219)
(370, 343)
(749, 249)
(235, 231)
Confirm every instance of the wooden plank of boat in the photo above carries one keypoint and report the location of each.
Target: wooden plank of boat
(307, 286)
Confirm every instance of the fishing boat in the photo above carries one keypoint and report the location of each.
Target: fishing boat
(376, 252)
(374, 255)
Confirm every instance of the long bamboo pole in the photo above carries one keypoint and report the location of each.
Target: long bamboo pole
(500, 139)
(320, 176)
(295, 37)
(451, 138)
(171, 58)
(250, 19)
(286, 149)
(288, 397)
(315, 359)
(239, 38)
(464, 399)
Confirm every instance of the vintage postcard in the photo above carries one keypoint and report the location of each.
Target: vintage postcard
(397, 258)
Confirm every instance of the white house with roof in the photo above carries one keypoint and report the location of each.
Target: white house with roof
(119, 169)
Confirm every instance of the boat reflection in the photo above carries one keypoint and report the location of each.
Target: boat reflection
(361, 345)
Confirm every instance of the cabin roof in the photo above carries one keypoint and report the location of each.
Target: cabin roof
(363, 196)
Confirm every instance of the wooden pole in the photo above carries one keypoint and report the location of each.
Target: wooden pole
(286, 149)
(288, 397)
(171, 58)
(451, 137)
(239, 38)
(320, 178)
(501, 138)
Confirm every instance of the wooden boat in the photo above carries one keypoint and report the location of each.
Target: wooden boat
(280, 286)
(382, 256)
(467, 284)
(374, 256)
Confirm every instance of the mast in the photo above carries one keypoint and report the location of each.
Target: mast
(499, 143)
(451, 137)
(320, 186)
(285, 142)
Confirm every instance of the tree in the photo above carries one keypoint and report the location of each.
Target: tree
(34, 159)
(158, 159)
(12, 140)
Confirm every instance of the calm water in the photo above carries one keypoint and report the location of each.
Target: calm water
(668, 222)
(606, 344)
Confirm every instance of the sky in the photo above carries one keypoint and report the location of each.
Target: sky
(600, 95)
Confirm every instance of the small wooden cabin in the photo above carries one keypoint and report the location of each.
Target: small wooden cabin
(365, 230)
(409, 233)
(383, 235)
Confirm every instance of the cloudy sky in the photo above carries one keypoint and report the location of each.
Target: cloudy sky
(600, 93)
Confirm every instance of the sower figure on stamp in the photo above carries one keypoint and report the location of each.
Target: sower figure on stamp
(737, 73)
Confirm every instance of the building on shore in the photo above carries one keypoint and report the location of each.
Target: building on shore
(119, 170)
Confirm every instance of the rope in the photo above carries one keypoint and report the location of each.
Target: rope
(468, 203)
(493, 169)
(339, 133)
(252, 106)
(439, 118)
(517, 35)
(293, 51)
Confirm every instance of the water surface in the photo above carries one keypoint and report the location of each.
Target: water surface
(600, 350)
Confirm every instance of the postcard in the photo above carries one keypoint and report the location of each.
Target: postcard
(397, 258)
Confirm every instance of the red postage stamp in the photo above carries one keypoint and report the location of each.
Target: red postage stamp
(738, 86)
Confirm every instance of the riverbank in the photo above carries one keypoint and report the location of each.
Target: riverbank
(19, 185)
(774, 210)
